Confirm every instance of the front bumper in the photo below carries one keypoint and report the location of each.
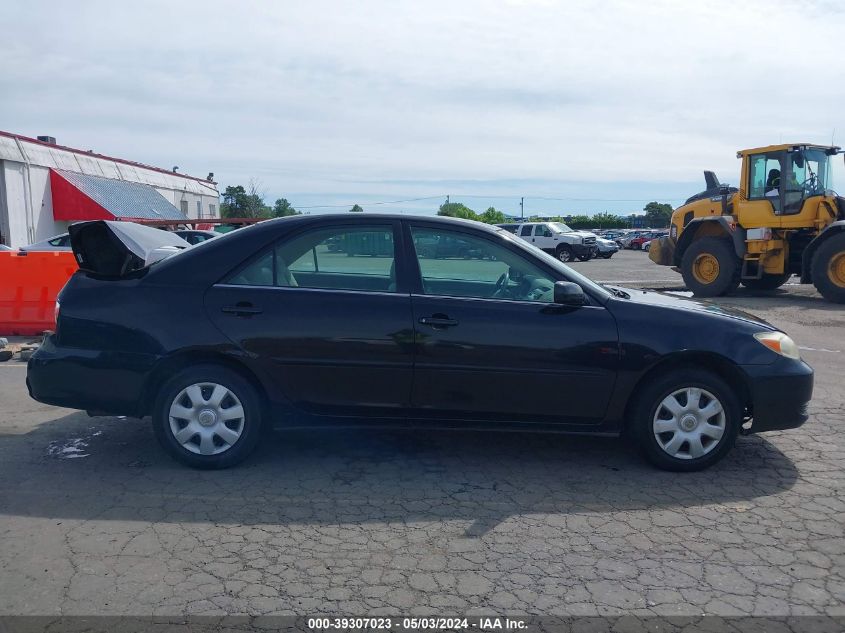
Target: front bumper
(780, 394)
(582, 250)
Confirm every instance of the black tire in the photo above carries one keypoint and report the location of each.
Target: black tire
(651, 396)
(767, 282)
(564, 253)
(828, 269)
(585, 258)
(725, 280)
(249, 425)
(608, 256)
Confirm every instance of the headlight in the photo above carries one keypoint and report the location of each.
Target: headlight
(779, 343)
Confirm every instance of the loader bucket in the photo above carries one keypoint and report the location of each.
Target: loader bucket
(662, 251)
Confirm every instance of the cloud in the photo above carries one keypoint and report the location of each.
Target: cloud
(325, 98)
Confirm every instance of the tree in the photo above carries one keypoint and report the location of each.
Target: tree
(492, 216)
(609, 221)
(658, 215)
(234, 202)
(356, 209)
(240, 202)
(457, 210)
(282, 208)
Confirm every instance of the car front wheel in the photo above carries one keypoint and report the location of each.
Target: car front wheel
(208, 416)
(564, 253)
(686, 420)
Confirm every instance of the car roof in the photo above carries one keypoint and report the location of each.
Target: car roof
(352, 218)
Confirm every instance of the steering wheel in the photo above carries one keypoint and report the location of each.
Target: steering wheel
(810, 184)
(502, 285)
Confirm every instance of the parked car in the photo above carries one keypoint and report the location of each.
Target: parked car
(55, 243)
(556, 238)
(611, 235)
(637, 242)
(606, 248)
(267, 334)
(3, 247)
(194, 236)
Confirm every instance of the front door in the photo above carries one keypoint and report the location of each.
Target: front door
(323, 315)
(492, 345)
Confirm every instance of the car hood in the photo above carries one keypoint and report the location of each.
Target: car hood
(688, 304)
(579, 234)
(114, 249)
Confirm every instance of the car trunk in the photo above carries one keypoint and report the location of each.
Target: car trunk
(115, 249)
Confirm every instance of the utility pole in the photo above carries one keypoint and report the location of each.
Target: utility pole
(522, 207)
(447, 198)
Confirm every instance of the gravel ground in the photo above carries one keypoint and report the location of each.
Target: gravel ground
(94, 519)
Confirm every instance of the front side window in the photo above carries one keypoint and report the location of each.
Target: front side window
(543, 231)
(483, 270)
(339, 258)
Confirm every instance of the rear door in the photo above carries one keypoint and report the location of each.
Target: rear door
(491, 345)
(323, 314)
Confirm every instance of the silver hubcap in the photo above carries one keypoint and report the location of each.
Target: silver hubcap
(206, 418)
(689, 423)
(563, 255)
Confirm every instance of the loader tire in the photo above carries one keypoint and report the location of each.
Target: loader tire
(710, 267)
(767, 282)
(829, 269)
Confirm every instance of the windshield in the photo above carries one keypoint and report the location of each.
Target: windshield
(560, 227)
(807, 174)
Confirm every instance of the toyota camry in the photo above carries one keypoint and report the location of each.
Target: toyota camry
(389, 320)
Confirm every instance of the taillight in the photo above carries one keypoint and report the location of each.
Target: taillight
(56, 314)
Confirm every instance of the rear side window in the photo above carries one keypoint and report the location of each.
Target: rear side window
(525, 231)
(341, 258)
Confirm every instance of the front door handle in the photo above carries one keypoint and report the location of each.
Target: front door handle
(242, 308)
(438, 321)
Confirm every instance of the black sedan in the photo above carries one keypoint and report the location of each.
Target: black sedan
(273, 325)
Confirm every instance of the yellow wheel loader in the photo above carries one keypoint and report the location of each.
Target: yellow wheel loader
(782, 220)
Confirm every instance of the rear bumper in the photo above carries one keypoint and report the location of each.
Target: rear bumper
(780, 394)
(87, 379)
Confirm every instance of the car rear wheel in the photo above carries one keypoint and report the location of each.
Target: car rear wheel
(829, 269)
(564, 253)
(710, 267)
(686, 420)
(208, 416)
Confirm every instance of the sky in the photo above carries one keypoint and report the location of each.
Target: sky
(577, 106)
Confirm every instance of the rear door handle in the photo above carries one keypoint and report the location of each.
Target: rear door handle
(437, 321)
(241, 309)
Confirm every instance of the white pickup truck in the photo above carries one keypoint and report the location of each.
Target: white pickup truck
(557, 239)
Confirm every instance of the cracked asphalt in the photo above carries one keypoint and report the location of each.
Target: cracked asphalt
(96, 520)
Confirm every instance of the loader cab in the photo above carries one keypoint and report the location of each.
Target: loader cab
(781, 178)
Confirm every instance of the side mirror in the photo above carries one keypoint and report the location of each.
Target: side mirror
(567, 293)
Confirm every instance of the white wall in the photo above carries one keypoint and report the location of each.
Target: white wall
(21, 184)
(176, 197)
(14, 204)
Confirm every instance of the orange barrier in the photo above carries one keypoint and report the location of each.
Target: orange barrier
(29, 284)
